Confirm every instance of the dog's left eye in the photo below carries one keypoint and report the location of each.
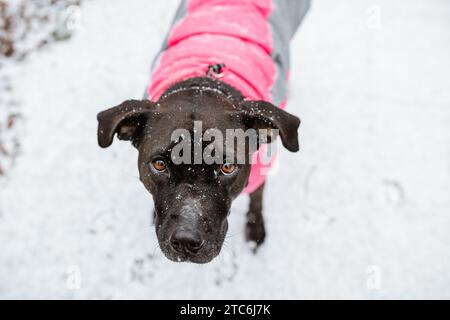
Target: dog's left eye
(159, 165)
(228, 168)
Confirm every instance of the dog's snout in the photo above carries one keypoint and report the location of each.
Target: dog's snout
(185, 241)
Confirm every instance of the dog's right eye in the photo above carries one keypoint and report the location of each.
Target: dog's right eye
(159, 165)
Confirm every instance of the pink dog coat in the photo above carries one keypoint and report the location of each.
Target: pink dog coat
(250, 37)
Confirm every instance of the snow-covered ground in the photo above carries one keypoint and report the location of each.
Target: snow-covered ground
(363, 211)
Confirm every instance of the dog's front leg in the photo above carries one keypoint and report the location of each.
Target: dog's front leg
(254, 229)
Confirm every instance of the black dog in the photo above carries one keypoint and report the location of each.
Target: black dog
(192, 201)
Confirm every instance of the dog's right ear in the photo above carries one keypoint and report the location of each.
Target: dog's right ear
(127, 120)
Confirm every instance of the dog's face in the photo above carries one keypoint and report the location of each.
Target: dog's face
(192, 198)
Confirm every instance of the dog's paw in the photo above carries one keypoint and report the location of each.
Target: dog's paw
(255, 233)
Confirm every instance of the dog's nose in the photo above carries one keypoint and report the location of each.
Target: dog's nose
(185, 241)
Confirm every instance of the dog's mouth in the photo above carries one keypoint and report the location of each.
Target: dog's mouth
(205, 255)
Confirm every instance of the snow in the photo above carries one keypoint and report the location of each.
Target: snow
(361, 212)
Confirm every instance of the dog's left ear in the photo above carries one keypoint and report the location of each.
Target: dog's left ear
(264, 115)
(127, 120)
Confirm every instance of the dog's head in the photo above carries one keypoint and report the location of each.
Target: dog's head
(193, 196)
